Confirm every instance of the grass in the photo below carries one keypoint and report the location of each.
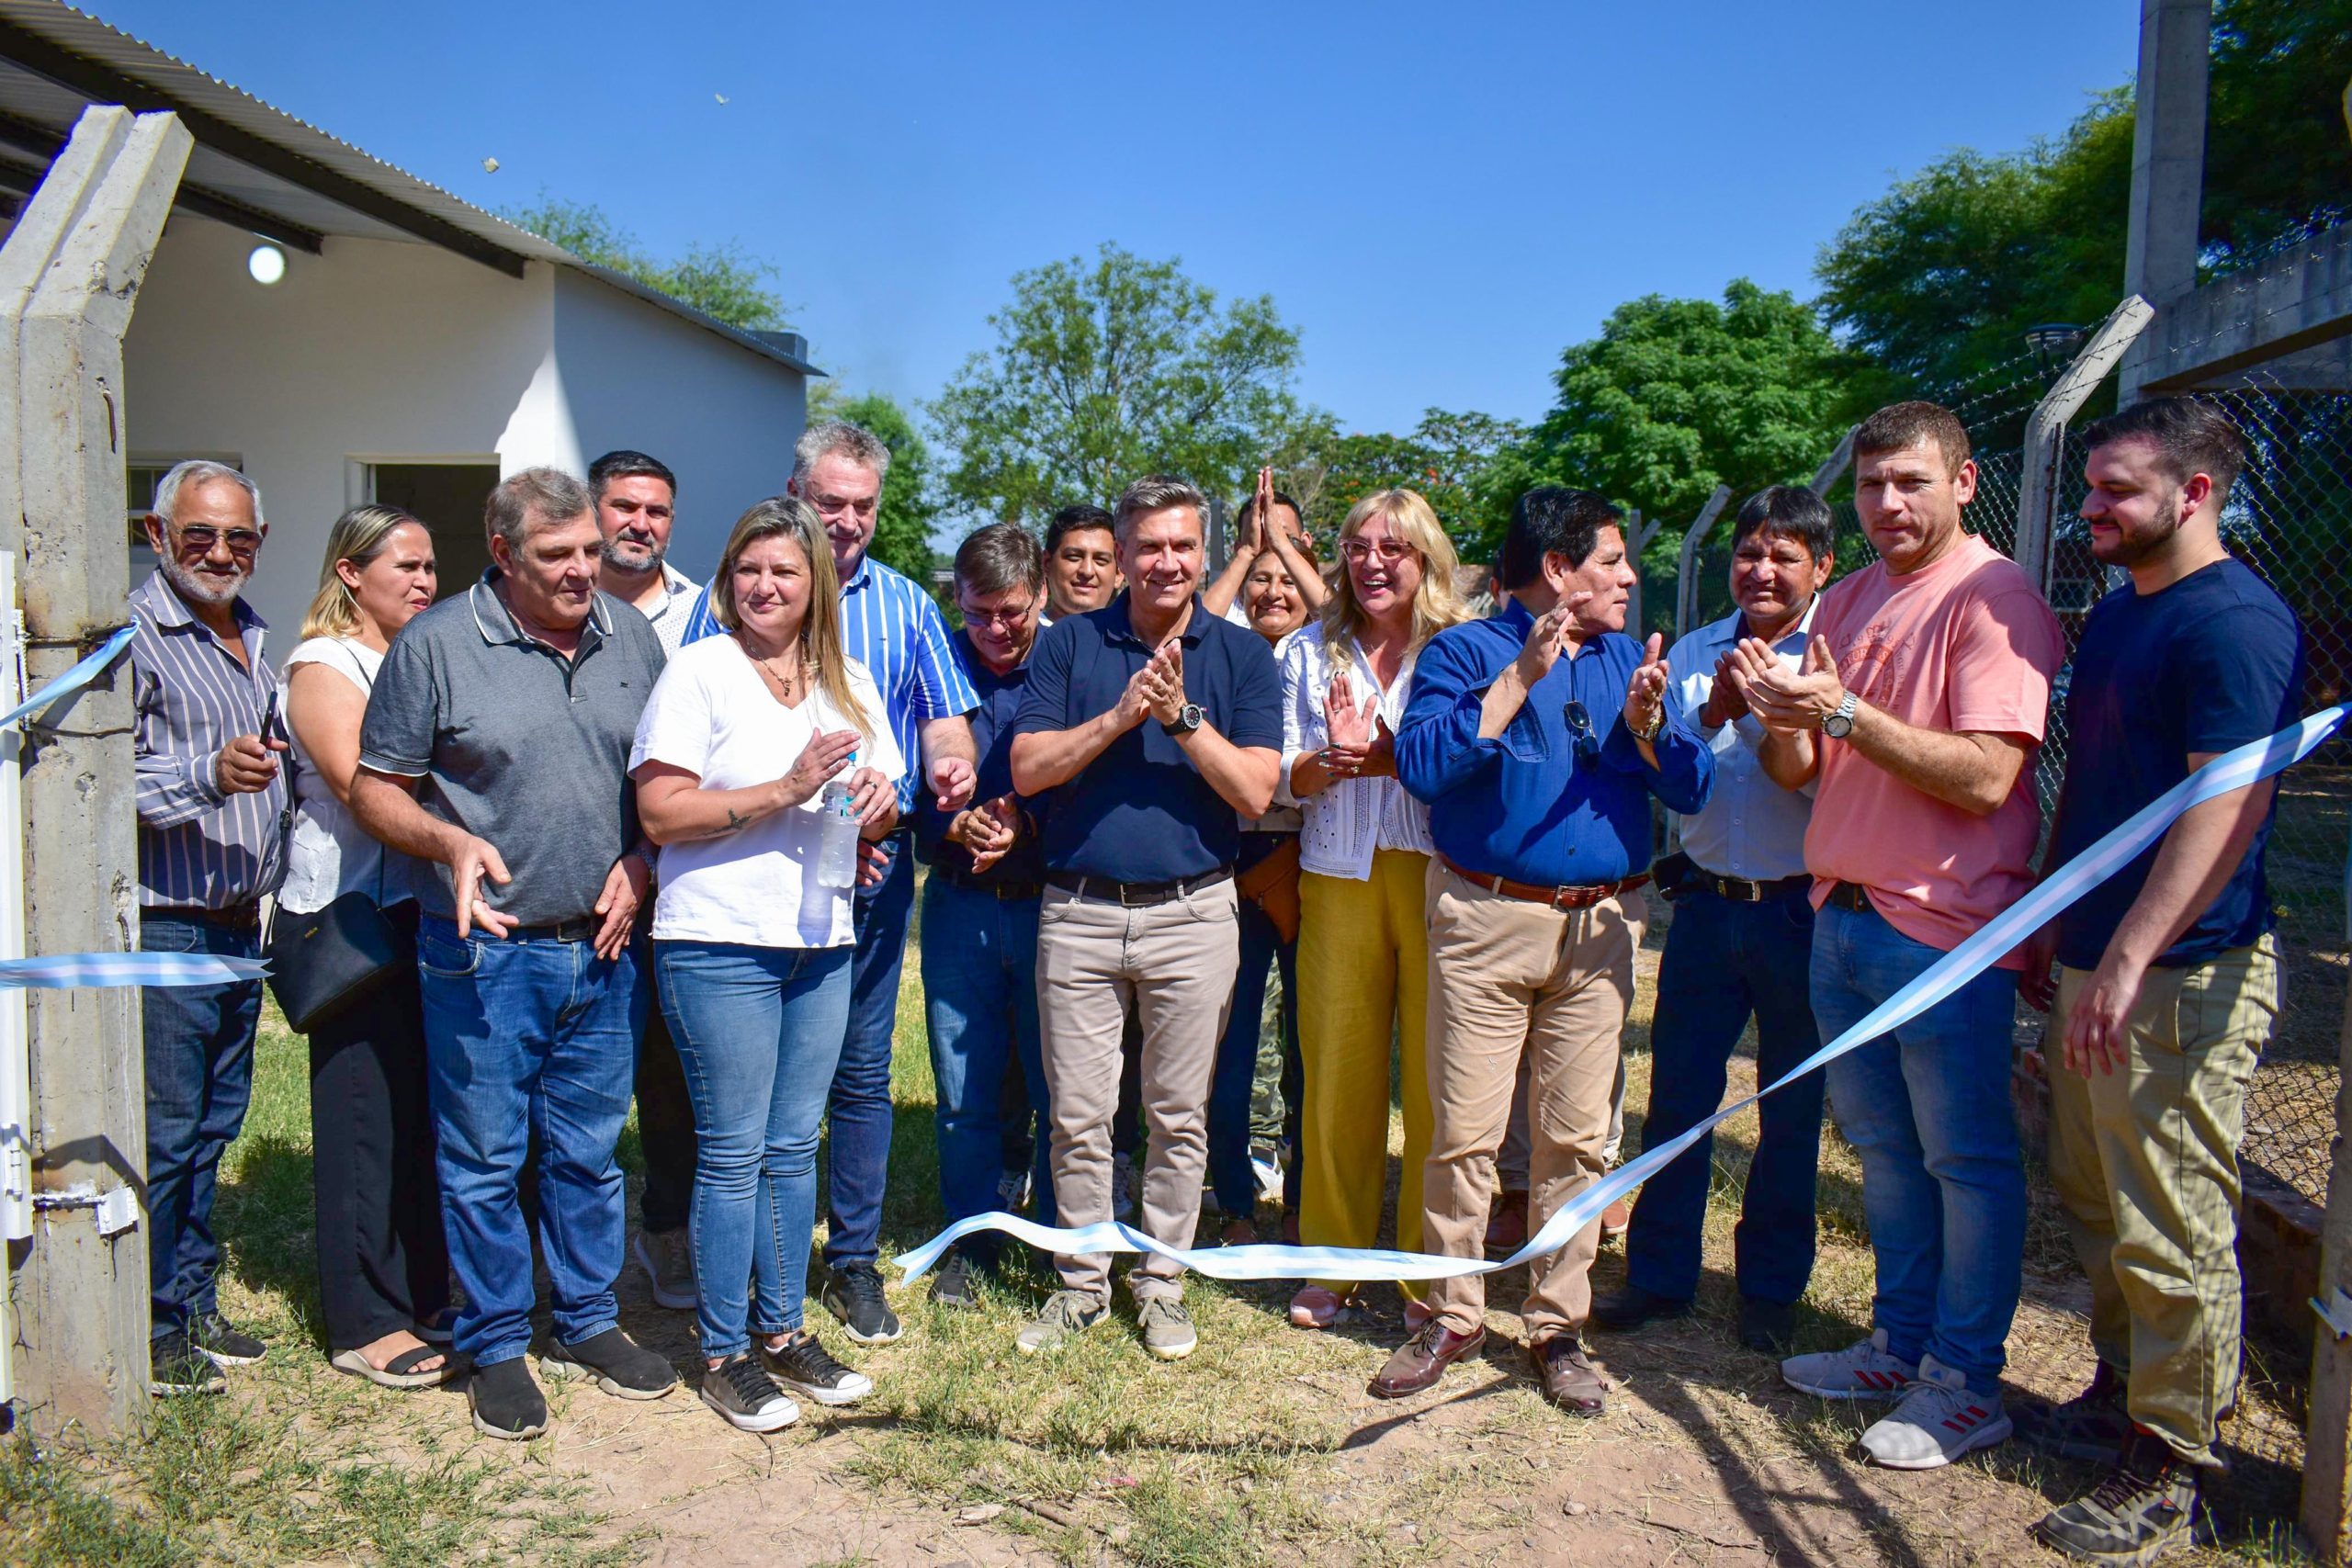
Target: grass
(1258, 1450)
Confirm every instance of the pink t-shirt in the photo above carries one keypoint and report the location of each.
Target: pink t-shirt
(1966, 644)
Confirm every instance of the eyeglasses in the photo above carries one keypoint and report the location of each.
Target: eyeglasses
(1579, 725)
(200, 539)
(835, 507)
(1006, 619)
(1387, 552)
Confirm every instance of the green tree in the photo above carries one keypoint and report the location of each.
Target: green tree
(1677, 396)
(1104, 372)
(910, 503)
(1447, 458)
(719, 280)
(2276, 152)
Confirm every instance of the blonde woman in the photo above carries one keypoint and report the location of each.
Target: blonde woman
(752, 952)
(1364, 853)
(383, 1264)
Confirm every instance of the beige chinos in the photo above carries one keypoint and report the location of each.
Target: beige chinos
(1176, 961)
(1508, 977)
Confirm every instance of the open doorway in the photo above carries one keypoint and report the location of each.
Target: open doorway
(447, 498)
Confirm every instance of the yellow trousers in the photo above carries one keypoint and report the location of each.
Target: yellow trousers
(1362, 982)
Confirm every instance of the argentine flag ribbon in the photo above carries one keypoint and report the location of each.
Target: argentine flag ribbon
(68, 971)
(86, 671)
(2248, 764)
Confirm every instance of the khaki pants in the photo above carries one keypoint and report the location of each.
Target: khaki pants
(1176, 963)
(2144, 1160)
(1508, 978)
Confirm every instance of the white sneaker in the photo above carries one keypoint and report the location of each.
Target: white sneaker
(1938, 1421)
(1122, 1189)
(1863, 1370)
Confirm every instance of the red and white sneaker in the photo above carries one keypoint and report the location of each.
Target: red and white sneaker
(1863, 1370)
(1938, 1422)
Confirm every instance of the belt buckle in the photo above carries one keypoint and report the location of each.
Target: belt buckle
(1124, 902)
(1575, 897)
(1752, 891)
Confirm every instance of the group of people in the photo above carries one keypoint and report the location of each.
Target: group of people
(640, 836)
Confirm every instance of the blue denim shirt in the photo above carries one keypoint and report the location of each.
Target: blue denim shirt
(1539, 804)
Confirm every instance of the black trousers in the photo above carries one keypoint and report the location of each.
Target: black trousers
(665, 1127)
(383, 1259)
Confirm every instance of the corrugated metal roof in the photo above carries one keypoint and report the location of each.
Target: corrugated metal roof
(276, 163)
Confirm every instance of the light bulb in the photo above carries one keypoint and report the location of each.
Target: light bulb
(268, 264)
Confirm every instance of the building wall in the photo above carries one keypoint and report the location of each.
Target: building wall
(722, 417)
(388, 351)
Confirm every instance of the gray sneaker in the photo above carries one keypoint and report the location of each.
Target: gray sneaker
(1064, 1313)
(668, 1259)
(2146, 1507)
(1863, 1370)
(1938, 1421)
(1167, 1328)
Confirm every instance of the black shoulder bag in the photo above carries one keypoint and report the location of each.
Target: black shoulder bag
(322, 961)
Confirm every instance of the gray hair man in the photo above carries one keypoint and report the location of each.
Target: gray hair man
(497, 747)
(890, 626)
(212, 802)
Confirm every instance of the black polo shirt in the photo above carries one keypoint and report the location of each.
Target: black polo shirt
(1141, 812)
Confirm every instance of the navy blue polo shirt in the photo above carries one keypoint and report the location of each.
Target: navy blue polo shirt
(1141, 812)
(993, 743)
(2207, 664)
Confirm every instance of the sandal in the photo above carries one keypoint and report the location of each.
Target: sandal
(1318, 1306)
(401, 1370)
(441, 1329)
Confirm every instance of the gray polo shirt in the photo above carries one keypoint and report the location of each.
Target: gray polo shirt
(516, 744)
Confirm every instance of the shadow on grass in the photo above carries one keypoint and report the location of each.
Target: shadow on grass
(265, 1217)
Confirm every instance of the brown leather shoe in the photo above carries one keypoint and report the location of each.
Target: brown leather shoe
(1616, 1219)
(1422, 1359)
(1569, 1378)
(1507, 1225)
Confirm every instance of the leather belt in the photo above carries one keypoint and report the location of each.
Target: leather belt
(235, 917)
(1137, 894)
(1850, 896)
(1008, 892)
(582, 929)
(1739, 890)
(1578, 898)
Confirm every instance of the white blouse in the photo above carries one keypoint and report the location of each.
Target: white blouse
(1349, 819)
(328, 854)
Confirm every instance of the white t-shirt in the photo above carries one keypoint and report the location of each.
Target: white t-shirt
(712, 716)
(327, 854)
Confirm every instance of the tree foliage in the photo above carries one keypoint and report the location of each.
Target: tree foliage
(1677, 396)
(2276, 151)
(720, 280)
(1447, 458)
(1106, 371)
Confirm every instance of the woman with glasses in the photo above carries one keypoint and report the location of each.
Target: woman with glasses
(1364, 854)
(383, 1263)
(736, 761)
(1266, 876)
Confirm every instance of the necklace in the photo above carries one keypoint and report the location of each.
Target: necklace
(787, 682)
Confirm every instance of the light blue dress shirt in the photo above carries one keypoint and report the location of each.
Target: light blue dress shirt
(1749, 827)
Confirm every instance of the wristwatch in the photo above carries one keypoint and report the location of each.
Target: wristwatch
(1188, 719)
(1649, 731)
(1839, 725)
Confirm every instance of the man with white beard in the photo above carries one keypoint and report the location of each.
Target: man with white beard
(212, 801)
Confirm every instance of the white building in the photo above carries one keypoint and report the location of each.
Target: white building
(416, 349)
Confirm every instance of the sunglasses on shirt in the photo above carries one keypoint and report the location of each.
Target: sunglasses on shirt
(1580, 730)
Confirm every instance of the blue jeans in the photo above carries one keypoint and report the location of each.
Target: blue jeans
(979, 987)
(1928, 1109)
(199, 1056)
(524, 1038)
(858, 1162)
(1723, 962)
(1230, 1175)
(759, 1033)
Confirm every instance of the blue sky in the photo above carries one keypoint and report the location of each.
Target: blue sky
(1440, 197)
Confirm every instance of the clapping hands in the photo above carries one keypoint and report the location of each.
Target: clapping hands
(1786, 701)
(1645, 692)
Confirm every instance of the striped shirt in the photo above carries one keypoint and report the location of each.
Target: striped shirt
(895, 629)
(189, 698)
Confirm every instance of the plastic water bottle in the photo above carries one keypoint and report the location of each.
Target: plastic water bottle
(837, 840)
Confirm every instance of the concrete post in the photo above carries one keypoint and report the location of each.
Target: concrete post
(1686, 586)
(2045, 432)
(2167, 159)
(2327, 1447)
(81, 1317)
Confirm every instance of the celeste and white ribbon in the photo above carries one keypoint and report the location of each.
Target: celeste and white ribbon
(70, 971)
(85, 670)
(2248, 764)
